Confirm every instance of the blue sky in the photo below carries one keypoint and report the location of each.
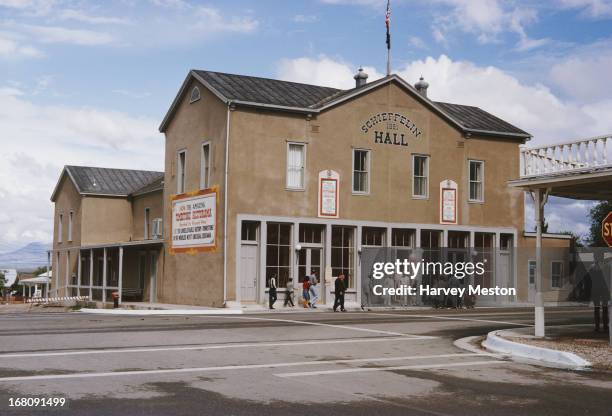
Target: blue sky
(88, 82)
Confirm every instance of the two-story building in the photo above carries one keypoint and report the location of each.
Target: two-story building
(273, 178)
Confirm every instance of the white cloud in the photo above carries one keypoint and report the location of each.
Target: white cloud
(57, 34)
(81, 16)
(417, 42)
(29, 165)
(212, 20)
(322, 71)
(131, 94)
(590, 8)
(585, 74)
(487, 20)
(11, 49)
(302, 18)
(30, 7)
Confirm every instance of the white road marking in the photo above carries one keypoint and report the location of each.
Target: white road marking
(226, 368)
(350, 328)
(207, 347)
(403, 367)
(452, 318)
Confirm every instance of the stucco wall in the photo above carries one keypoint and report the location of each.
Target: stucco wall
(106, 220)
(153, 201)
(194, 278)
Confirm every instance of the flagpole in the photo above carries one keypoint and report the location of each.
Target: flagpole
(388, 24)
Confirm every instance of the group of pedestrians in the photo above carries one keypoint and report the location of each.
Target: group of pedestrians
(311, 293)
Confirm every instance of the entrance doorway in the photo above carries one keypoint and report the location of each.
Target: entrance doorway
(249, 261)
(309, 262)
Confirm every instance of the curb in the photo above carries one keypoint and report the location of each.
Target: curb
(141, 312)
(495, 343)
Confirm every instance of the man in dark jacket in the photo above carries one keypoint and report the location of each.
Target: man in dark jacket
(339, 289)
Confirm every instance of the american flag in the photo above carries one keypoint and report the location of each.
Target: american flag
(388, 23)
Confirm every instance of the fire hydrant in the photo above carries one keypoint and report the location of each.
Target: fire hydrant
(115, 299)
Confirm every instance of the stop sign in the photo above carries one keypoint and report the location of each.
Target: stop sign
(606, 229)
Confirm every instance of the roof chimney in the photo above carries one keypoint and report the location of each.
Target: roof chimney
(422, 86)
(360, 78)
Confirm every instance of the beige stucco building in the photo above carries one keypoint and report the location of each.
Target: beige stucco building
(271, 178)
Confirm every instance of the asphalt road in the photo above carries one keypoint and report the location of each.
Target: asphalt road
(303, 363)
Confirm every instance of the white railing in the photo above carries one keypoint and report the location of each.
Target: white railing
(567, 156)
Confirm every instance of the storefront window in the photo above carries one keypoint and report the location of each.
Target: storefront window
(311, 234)
(373, 236)
(278, 253)
(343, 253)
(402, 237)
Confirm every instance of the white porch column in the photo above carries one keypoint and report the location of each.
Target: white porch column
(261, 284)
(104, 267)
(79, 271)
(327, 248)
(48, 268)
(539, 201)
(120, 272)
(91, 269)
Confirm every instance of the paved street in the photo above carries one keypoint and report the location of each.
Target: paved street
(355, 363)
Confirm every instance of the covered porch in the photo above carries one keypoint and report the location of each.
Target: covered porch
(130, 268)
(578, 169)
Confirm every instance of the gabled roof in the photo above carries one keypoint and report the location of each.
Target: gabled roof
(105, 181)
(311, 99)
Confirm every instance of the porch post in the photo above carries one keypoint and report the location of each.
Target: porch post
(120, 272)
(91, 268)
(261, 284)
(79, 271)
(539, 298)
(48, 268)
(328, 235)
(104, 267)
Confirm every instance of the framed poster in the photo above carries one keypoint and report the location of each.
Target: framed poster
(329, 184)
(448, 202)
(194, 222)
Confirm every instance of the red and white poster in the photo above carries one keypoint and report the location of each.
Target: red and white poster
(448, 202)
(329, 183)
(194, 222)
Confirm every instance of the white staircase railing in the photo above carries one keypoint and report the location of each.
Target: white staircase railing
(565, 157)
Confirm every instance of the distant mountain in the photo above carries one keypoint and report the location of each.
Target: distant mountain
(26, 258)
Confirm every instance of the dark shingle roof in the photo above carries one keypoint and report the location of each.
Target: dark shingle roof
(265, 90)
(105, 181)
(293, 96)
(474, 118)
(156, 185)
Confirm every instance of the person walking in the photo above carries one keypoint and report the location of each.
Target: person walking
(314, 291)
(289, 293)
(339, 289)
(306, 291)
(272, 291)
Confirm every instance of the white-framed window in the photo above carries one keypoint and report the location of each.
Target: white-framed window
(296, 162)
(60, 226)
(531, 271)
(476, 185)
(70, 222)
(147, 216)
(181, 164)
(195, 95)
(420, 176)
(361, 171)
(205, 166)
(556, 274)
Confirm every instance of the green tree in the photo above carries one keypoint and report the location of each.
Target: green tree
(597, 214)
(40, 270)
(2, 283)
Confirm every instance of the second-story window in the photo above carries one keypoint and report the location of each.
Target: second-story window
(70, 220)
(296, 158)
(361, 171)
(476, 180)
(205, 168)
(180, 171)
(60, 226)
(420, 176)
